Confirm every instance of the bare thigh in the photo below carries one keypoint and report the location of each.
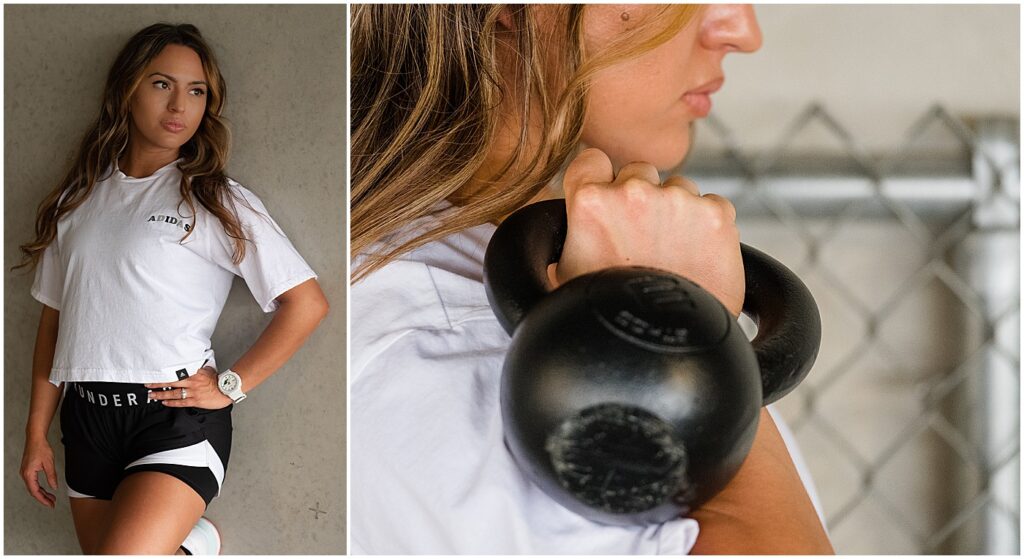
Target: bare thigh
(92, 518)
(151, 514)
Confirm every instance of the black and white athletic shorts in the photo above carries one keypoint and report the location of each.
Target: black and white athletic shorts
(111, 430)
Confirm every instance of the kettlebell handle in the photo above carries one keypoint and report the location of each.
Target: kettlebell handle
(787, 318)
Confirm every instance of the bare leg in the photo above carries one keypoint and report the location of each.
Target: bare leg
(152, 514)
(92, 518)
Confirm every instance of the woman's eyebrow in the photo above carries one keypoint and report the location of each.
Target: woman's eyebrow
(175, 80)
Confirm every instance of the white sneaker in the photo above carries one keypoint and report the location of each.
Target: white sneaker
(204, 539)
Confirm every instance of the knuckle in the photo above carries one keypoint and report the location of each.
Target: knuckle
(674, 180)
(588, 160)
(639, 167)
(679, 196)
(589, 200)
(591, 154)
(636, 190)
(628, 168)
(716, 217)
(727, 206)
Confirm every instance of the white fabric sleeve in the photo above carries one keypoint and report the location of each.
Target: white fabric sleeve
(48, 286)
(271, 265)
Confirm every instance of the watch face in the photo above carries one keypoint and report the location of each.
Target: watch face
(228, 383)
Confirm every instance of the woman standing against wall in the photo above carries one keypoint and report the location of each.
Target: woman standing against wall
(135, 252)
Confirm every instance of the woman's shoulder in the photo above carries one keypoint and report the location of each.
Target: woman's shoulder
(416, 293)
(234, 195)
(244, 203)
(460, 253)
(430, 293)
(401, 319)
(446, 272)
(240, 193)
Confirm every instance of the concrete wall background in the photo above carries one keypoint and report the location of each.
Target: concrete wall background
(285, 71)
(876, 68)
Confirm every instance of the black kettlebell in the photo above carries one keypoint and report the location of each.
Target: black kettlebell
(630, 395)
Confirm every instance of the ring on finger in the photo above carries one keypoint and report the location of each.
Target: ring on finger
(183, 394)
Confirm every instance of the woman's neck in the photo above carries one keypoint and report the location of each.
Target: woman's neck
(139, 162)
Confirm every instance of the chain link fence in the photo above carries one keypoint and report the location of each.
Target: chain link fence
(909, 420)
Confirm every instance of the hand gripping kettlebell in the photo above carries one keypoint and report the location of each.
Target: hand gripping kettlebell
(630, 395)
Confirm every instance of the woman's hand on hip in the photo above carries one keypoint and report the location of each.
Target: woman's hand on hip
(197, 391)
(634, 219)
(38, 457)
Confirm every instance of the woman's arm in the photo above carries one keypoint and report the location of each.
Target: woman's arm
(299, 312)
(765, 509)
(38, 456)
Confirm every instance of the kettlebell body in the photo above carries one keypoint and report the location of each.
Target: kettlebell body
(630, 395)
(657, 416)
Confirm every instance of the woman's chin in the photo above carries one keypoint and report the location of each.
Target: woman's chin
(665, 153)
(668, 153)
(670, 157)
(673, 152)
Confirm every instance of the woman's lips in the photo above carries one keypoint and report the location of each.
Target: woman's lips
(173, 126)
(699, 103)
(699, 99)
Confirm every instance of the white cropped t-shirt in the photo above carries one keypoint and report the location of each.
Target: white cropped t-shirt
(137, 303)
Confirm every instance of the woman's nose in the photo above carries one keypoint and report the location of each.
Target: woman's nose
(177, 102)
(732, 27)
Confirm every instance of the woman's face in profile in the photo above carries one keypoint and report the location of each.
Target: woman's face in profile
(641, 109)
(168, 105)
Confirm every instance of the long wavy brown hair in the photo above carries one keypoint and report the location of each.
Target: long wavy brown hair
(203, 157)
(427, 81)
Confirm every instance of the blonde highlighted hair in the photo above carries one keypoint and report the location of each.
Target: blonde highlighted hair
(427, 82)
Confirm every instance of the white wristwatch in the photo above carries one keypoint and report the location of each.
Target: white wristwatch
(230, 385)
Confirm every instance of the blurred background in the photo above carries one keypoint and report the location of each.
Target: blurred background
(875, 150)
